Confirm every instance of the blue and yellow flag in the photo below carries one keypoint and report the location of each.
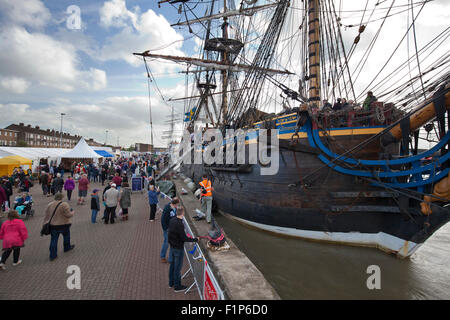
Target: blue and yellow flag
(189, 115)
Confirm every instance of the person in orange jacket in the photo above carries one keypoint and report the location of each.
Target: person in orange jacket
(206, 197)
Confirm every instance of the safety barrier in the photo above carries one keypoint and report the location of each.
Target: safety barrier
(204, 280)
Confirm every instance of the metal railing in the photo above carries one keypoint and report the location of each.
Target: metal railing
(204, 280)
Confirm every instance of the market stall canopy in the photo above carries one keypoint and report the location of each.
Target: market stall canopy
(81, 151)
(107, 149)
(33, 153)
(7, 165)
(104, 154)
(22, 160)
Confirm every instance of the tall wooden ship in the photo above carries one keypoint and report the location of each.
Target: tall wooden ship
(353, 174)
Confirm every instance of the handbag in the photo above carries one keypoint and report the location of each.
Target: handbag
(45, 231)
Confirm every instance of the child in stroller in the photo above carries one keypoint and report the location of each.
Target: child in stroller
(23, 205)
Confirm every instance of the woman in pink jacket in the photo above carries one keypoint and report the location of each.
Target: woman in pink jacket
(13, 233)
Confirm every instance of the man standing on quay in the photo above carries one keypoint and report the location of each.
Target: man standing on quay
(111, 199)
(177, 238)
(168, 213)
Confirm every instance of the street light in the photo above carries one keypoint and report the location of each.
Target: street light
(106, 137)
(61, 132)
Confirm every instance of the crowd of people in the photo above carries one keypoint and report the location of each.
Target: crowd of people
(342, 104)
(20, 179)
(115, 176)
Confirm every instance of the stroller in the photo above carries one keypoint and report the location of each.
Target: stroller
(24, 206)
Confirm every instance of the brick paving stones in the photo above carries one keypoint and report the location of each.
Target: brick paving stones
(118, 261)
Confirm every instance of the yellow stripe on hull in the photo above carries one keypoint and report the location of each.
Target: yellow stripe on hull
(335, 133)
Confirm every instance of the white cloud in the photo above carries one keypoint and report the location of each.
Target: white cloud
(16, 112)
(94, 79)
(14, 84)
(123, 116)
(40, 58)
(115, 14)
(31, 13)
(139, 32)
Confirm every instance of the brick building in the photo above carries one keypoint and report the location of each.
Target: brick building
(91, 142)
(39, 138)
(8, 138)
(143, 147)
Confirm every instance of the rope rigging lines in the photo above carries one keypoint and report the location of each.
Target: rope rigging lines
(346, 66)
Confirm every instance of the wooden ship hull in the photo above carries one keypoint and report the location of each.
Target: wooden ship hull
(329, 206)
(335, 208)
(352, 176)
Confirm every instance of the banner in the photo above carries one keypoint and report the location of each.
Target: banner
(209, 288)
(204, 279)
(136, 184)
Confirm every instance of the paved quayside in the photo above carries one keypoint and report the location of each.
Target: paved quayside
(237, 275)
(119, 261)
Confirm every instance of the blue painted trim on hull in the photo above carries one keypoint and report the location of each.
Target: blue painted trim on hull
(425, 154)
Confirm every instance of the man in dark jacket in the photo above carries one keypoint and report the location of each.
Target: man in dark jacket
(43, 179)
(170, 211)
(3, 197)
(177, 238)
(104, 174)
(58, 183)
(7, 186)
(337, 105)
(103, 198)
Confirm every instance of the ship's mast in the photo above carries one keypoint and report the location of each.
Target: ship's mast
(224, 72)
(314, 52)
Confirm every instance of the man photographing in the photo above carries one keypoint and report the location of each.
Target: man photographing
(177, 238)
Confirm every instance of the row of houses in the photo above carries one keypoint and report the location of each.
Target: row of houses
(26, 135)
(23, 135)
(144, 147)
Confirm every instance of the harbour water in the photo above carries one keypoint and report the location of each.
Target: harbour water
(300, 269)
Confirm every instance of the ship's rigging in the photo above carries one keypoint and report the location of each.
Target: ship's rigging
(265, 53)
(274, 64)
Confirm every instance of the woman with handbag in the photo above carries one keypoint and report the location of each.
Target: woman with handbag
(13, 233)
(58, 218)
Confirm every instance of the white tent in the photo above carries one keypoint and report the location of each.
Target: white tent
(35, 154)
(81, 151)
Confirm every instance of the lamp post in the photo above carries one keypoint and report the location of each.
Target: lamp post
(61, 132)
(106, 137)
